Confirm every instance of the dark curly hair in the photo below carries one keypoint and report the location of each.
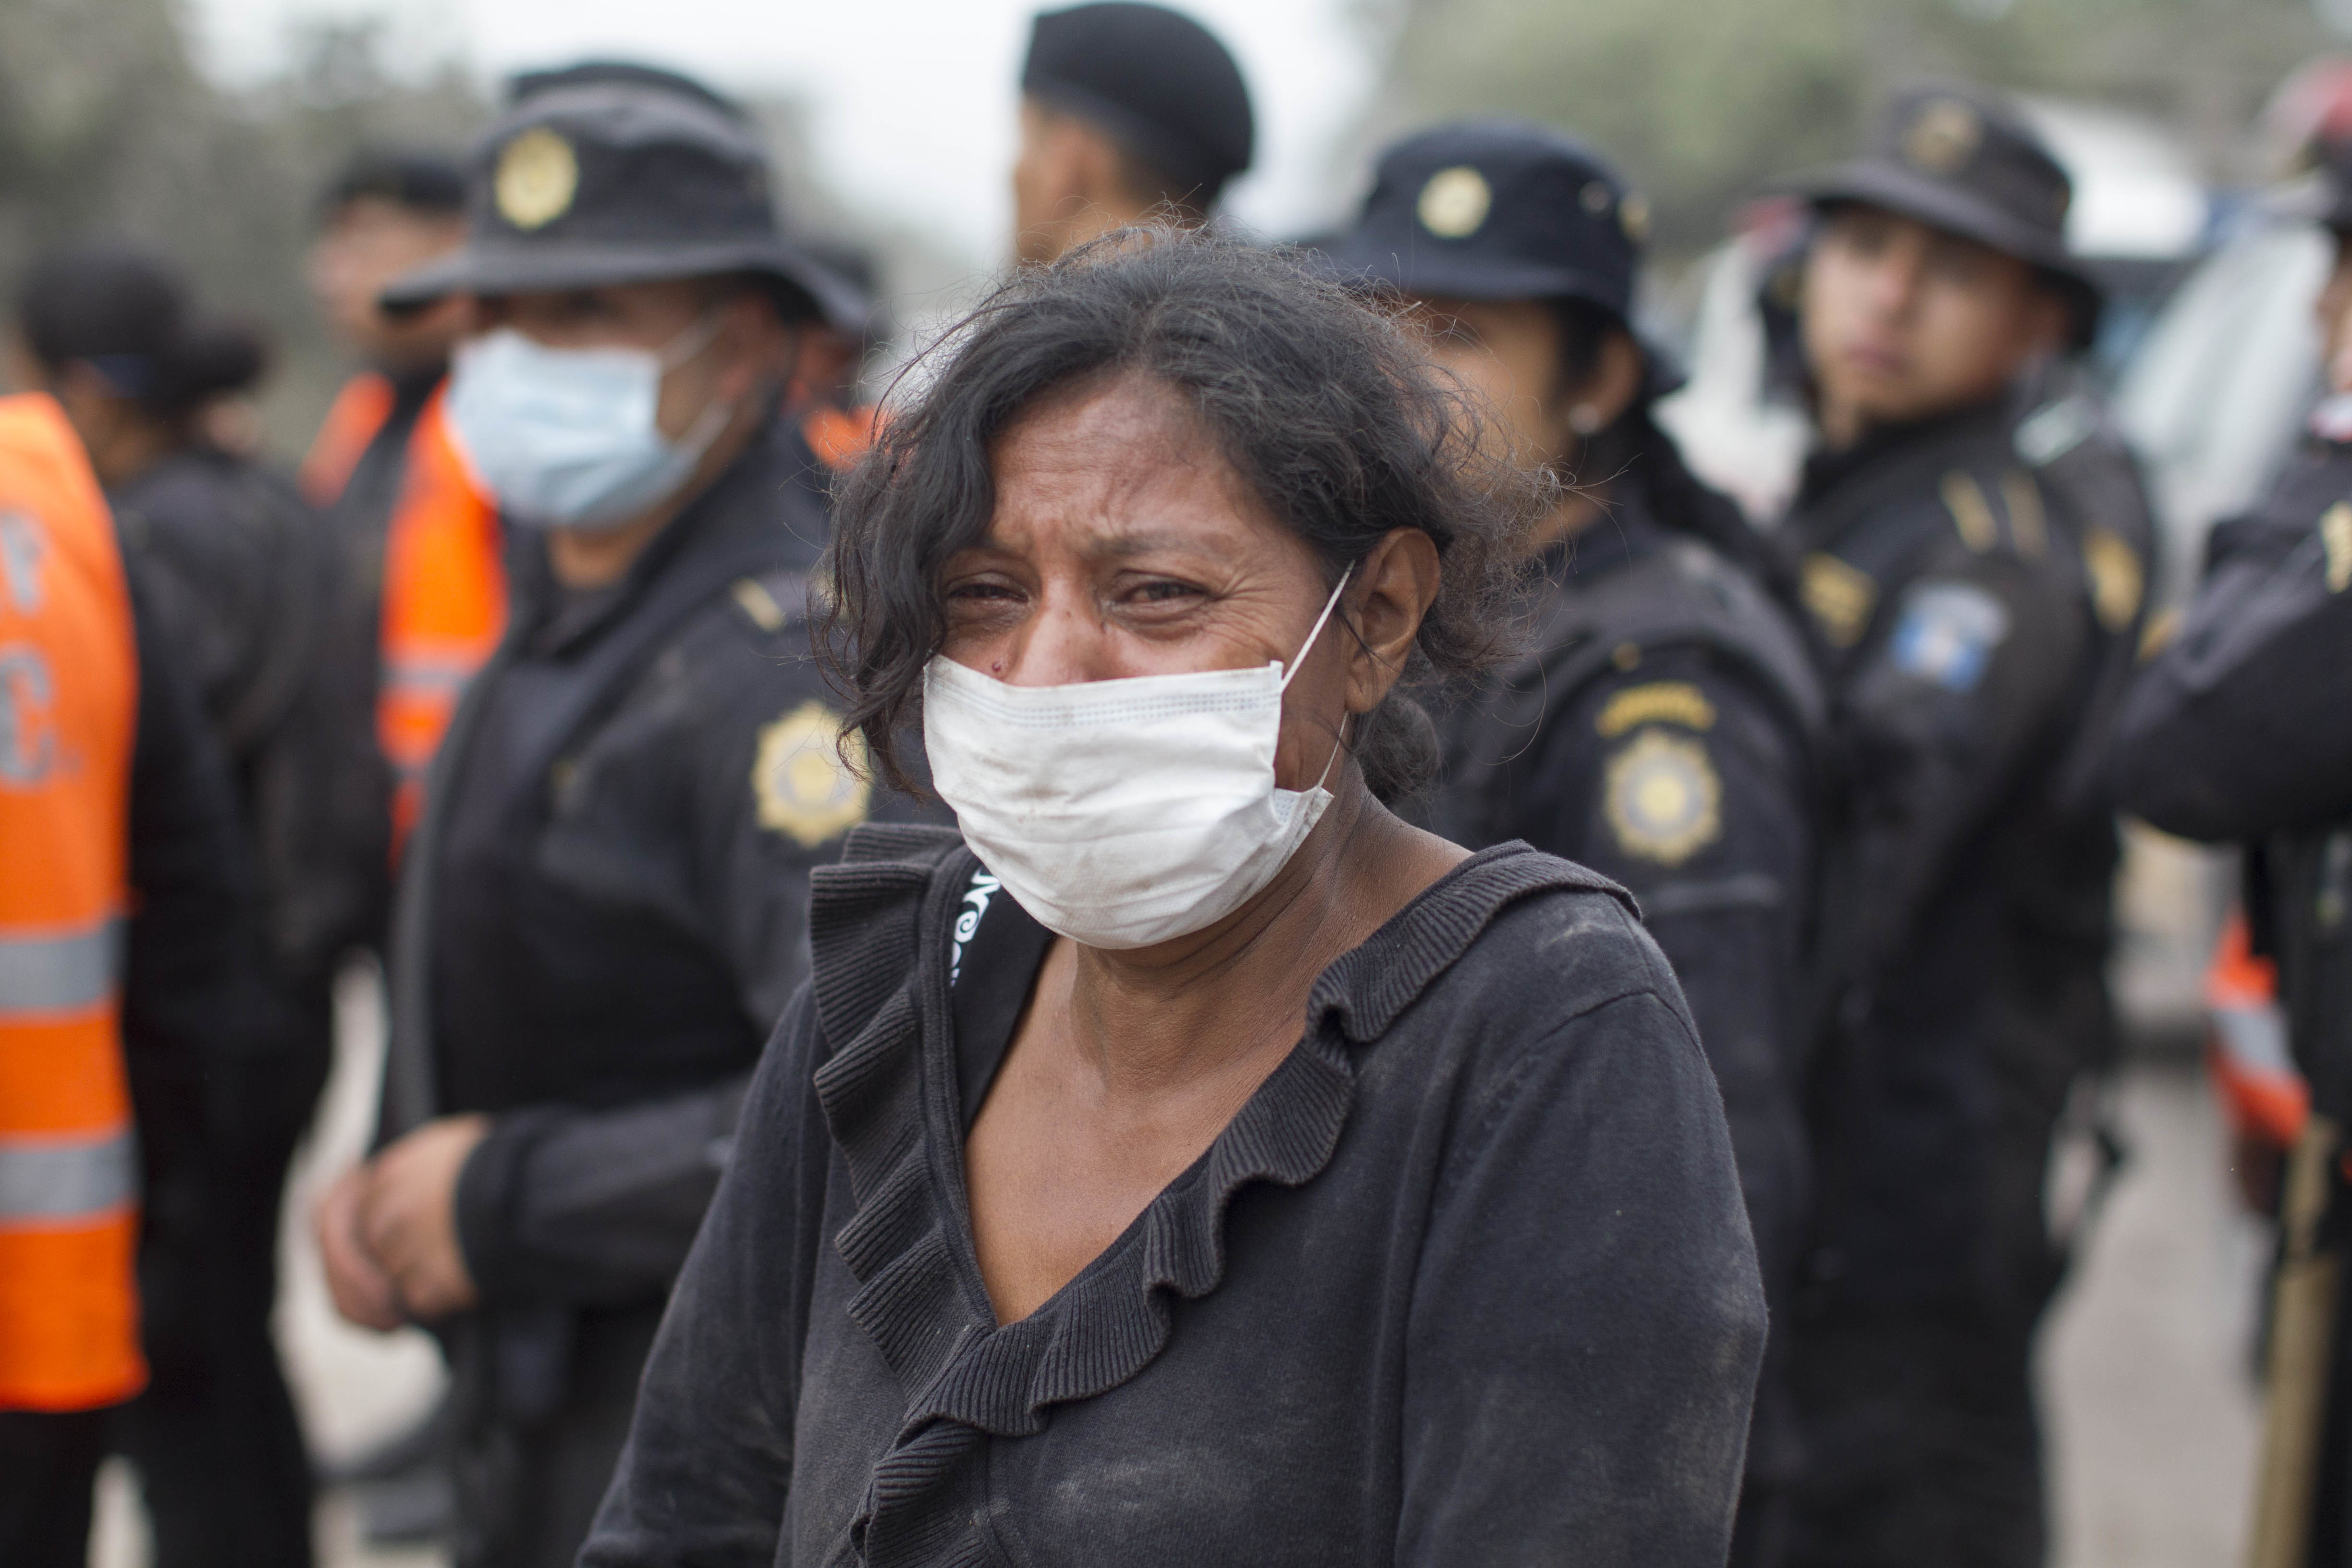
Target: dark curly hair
(1325, 408)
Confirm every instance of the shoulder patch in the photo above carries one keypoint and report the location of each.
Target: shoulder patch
(1948, 633)
(1662, 702)
(1839, 596)
(2117, 579)
(804, 789)
(1972, 517)
(1663, 797)
(2336, 538)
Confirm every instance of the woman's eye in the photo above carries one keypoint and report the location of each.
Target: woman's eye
(1165, 593)
(981, 593)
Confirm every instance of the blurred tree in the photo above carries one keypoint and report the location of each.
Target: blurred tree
(1704, 101)
(107, 128)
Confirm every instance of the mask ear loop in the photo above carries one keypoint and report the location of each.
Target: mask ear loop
(1330, 604)
(696, 337)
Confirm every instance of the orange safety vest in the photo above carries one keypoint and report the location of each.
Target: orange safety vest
(839, 437)
(445, 582)
(69, 714)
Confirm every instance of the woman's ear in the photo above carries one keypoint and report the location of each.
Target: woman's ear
(1384, 605)
(1616, 382)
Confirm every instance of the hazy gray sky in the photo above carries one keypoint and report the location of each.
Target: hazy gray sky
(912, 100)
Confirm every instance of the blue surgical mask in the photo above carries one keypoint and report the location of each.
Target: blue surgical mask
(567, 437)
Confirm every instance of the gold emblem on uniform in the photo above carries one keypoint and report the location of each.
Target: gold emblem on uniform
(1659, 702)
(2117, 579)
(2336, 538)
(1972, 516)
(804, 789)
(1634, 216)
(1663, 800)
(1455, 201)
(1839, 596)
(1943, 136)
(537, 177)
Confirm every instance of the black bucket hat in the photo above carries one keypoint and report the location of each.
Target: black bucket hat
(621, 174)
(1501, 209)
(1959, 158)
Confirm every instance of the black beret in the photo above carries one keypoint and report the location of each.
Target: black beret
(1155, 81)
(421, 181)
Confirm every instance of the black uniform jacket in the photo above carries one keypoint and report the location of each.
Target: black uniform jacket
(603, 911)
(1964, 617)
(253, 596)
(1662, 731)
(2241, 724)
(1467, 1280)
(195, 1012)
(2241, 729)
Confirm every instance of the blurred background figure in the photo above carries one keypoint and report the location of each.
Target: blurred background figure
(2236, 733)
(424, 548)
(1662, 728)
(250, 597)
(114, 811)
(837, 420)
(1126, 109)
(1959, 603)
(604, 905)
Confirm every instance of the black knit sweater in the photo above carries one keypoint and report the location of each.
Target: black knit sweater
(1467, 1280)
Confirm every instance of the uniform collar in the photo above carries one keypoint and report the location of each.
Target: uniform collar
(1627, 530)
(1826, 470)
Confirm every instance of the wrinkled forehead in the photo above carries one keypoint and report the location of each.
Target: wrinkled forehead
(1118, 465)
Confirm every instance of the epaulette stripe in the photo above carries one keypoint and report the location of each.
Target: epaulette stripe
(751, 596)
(2027, 529)
(1971, 513)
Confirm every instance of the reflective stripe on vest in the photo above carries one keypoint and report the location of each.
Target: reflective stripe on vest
(68, 711)
(445, 606)
(60, 973)
(69, 1176)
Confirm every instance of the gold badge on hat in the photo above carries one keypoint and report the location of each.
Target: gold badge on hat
(804, 790)
(1455, 201)
(537, 177)
(1943, 136)
(1664, 800)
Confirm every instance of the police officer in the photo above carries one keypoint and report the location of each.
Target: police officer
(1661, 728)
(1127, 111)
(248, 592)
(1967, 608)
(603, 908)
(2236, 732)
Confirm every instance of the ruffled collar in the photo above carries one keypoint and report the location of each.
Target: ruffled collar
(888, 1093)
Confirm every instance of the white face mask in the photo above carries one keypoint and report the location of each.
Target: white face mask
(1122, 812)
(566, 437)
